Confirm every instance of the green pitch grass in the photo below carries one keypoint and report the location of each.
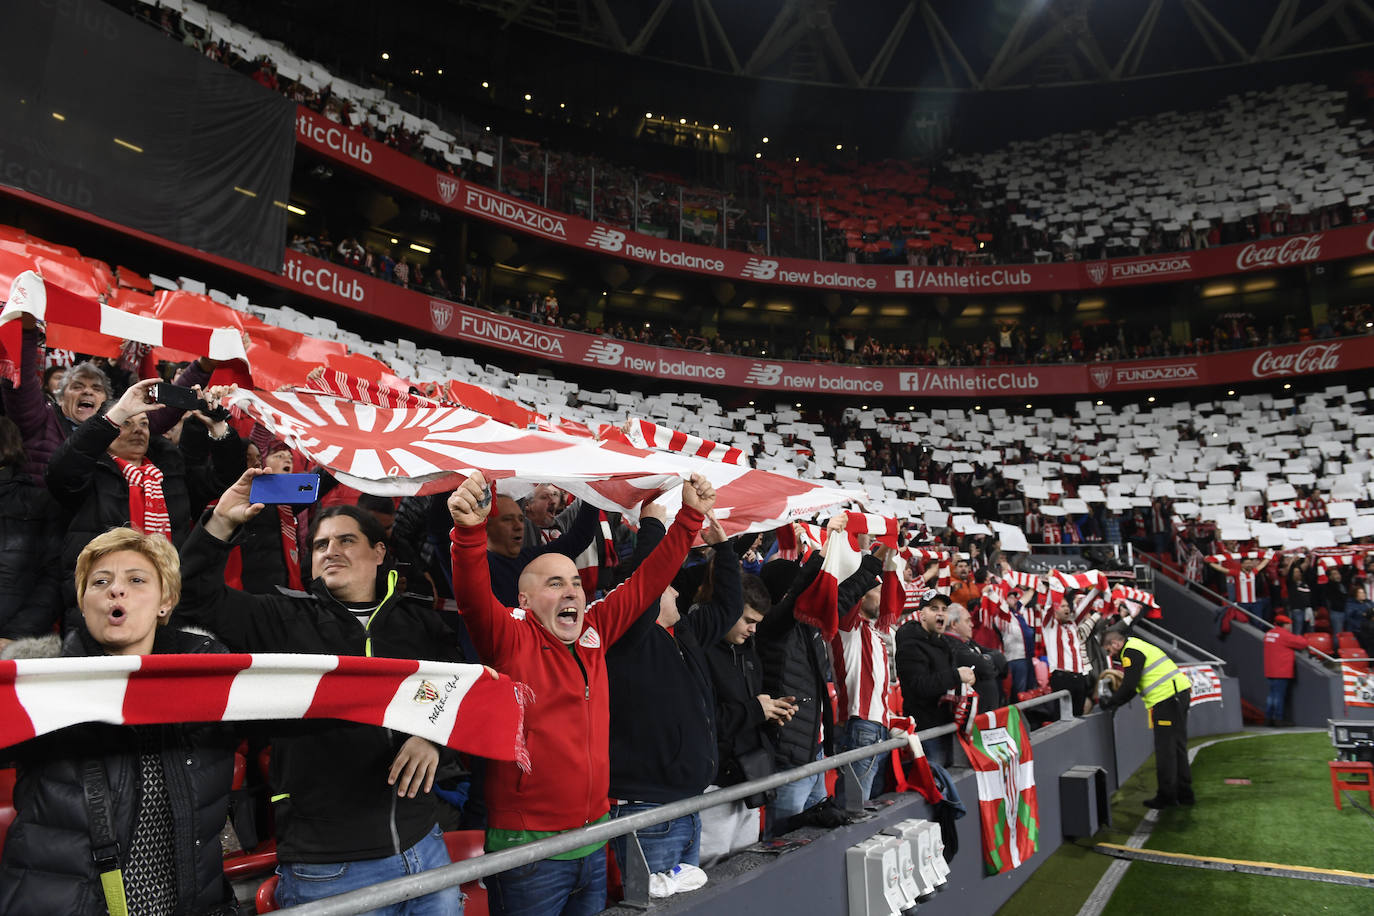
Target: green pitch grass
(1285, 816)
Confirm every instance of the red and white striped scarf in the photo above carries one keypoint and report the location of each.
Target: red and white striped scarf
(1142, 600)
(147, 505)
(461, 706)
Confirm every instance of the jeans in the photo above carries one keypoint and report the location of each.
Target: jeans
(553, 887)
(796, 797)
(302, 882)
(858, 733)
(1276, 705)
(1337, 622)
(1299, 618)
(1022, 676)
(664, 845)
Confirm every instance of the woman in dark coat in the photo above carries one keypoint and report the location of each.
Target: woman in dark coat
(166, 786)
(30, 542)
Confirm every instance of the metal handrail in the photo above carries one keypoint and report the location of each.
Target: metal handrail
(409, 887)
(1256, 620)
(1179, 642)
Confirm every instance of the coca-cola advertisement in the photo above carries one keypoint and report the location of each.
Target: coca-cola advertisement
(388, 166)
(1297, 249)
(323, 280)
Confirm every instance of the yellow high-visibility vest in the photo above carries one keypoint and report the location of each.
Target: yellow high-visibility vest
(1161, 678)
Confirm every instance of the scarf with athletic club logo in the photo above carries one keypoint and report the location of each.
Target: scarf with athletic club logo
(999, 751)
(461, 706)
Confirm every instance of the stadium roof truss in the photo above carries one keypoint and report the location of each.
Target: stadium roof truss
(959, 45)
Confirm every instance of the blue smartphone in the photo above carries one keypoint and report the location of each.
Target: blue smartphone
(285, 489)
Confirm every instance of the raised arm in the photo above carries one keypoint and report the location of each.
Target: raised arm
(712, 622)
(489, 623)
(619, 609)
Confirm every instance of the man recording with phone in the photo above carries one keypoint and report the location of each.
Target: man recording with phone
(352, 803)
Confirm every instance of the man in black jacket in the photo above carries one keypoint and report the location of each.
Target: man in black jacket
(796, 664)
(988, 666)
(508, 553)
(743, 711)
(663, 733)
(928, 673)
(353, 803)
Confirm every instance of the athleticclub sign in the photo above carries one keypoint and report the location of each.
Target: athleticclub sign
(361, 292)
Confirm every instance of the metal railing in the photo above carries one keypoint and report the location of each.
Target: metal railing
(1178, 642)
(409, 887)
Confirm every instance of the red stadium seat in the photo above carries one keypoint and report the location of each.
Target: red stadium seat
(1347, 640)
(247, 863)
(463, 845)
(7, 777)
(266, 897)
(1320, 641)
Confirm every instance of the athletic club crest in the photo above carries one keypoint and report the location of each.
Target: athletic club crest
(1097, 273)
(1101, 375)
(448, 188)
(590, 639)
(441, 313)
(427, 693)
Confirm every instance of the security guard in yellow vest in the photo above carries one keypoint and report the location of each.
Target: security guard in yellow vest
(1167, 693)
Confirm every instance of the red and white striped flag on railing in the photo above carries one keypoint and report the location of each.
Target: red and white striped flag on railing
(463, 707)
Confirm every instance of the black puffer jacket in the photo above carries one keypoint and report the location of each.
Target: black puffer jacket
(30, 543)
(796, 664)
(338, 806)
(737, 676)
(86, 481)
(47, 866)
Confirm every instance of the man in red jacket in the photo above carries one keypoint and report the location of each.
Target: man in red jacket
(1280, 648)
(557, 645)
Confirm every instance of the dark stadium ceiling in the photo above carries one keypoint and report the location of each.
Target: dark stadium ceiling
(963, 45)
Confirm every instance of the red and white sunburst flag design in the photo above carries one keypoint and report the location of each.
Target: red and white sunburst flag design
(417, 450)
(461, 706)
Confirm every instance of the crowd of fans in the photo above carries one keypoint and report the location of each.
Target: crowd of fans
(740, 639)
(945, 213)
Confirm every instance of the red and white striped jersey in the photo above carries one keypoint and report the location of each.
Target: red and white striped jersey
(859, 654)
(1063, 648)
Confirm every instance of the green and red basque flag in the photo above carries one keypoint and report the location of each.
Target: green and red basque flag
(1000, 753)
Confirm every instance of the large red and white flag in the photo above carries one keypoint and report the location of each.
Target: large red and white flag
(461, 706)
(400, 451)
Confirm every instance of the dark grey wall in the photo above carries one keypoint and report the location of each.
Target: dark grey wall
(1317, 694)
(811, 879)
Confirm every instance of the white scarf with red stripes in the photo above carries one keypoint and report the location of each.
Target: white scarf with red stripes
(462, 706)
(147, 504)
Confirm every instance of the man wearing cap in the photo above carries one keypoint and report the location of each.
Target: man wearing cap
(925, 666)
(1281, 646)
(1167, 693)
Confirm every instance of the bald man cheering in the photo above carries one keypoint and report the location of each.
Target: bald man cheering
(557, 645)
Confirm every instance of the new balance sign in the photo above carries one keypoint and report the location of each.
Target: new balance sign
(604, 352)
(606, 239)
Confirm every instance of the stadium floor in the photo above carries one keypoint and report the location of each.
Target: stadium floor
(1284, 815)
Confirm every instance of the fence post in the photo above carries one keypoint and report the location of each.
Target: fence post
(634, 874)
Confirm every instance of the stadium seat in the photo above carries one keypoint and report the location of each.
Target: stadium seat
(1363, 770)
(1320, 641)
(266, 898)
(463, 845)
(1347, 640)
(249, 862)
(7, 777)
